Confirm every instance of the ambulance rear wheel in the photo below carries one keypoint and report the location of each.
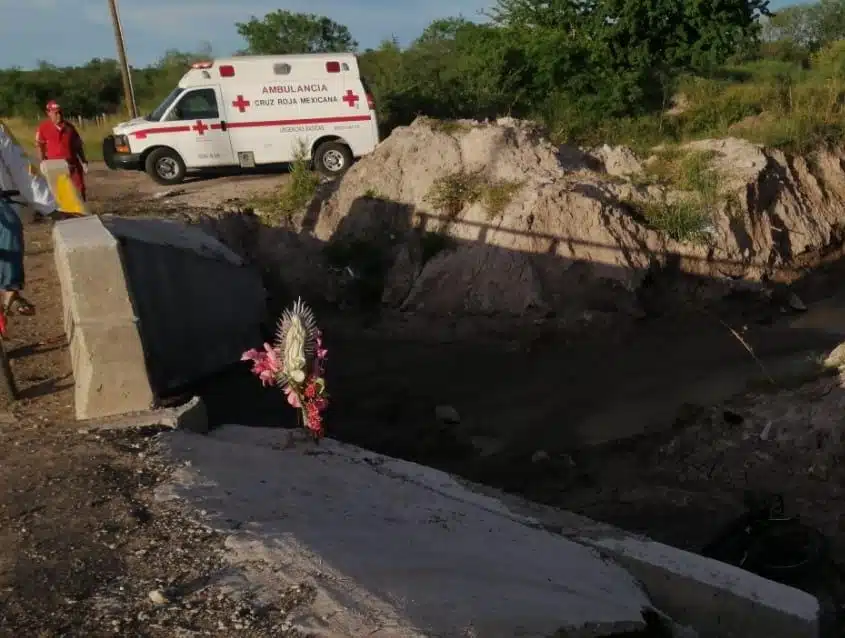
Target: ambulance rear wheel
(332, 159)
(165, 166)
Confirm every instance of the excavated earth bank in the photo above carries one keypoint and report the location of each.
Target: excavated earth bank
(465, 218)
(492, 218)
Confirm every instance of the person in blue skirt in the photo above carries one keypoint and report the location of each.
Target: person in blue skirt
(11, 261)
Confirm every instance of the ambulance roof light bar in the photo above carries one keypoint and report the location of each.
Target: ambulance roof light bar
(203, 65)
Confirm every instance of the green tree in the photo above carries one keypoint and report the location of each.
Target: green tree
(560, 15)
(808, 25)
(285, 32)
(443, 30)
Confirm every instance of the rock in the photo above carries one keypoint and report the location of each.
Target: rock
(487, 446)
(836, 359)
(173, 192)
(540, 456)
(158, 597)
(447, 414)
(794, 302)
(619, 161)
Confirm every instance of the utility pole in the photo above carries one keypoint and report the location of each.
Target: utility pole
(128, 92)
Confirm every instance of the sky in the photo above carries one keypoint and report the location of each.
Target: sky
(71, 32)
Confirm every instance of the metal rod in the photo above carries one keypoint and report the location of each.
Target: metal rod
(128, 93)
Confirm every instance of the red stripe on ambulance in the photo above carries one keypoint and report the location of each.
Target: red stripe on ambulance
(140, 135)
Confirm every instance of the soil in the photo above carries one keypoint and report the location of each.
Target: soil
(85, 548)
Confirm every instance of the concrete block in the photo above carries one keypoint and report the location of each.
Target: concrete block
(110, 375)
(199, 305)
(105, 344)
(90, 272)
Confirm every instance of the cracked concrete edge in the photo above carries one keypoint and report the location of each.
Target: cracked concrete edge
(715, 599)
(191, 416)
(711, 598)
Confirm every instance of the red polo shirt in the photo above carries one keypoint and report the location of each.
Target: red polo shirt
(59, 142)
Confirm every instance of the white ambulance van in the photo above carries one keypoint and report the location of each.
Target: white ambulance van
(252, 110)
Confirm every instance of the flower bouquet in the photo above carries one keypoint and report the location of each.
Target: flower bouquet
(296, 363)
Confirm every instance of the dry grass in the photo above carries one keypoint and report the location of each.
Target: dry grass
(450, 194)
(91, 131)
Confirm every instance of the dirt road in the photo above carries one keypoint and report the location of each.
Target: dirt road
(124, 192)
(83, 544)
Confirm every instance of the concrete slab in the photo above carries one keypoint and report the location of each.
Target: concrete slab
(717, 600)
(191, 416)
(295, 512)
(173, 234)
(105, 344)
(199, 305)
(393, 550)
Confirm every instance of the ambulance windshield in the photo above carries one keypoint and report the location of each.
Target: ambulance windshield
(161, 109)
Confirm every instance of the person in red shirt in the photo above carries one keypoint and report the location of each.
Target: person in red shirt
(57, 138)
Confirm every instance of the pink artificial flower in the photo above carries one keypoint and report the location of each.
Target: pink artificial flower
(293, 398)
(265, 365)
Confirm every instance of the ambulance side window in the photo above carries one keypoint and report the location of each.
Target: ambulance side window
(196, 105)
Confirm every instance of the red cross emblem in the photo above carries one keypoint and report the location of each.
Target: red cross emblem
(350, 98)
(200, 128)
(241, 103)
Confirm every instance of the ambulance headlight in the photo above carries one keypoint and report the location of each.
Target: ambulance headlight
(121, 143)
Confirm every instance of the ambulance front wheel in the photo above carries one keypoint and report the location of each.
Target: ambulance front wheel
(165, 166)
(332, 159)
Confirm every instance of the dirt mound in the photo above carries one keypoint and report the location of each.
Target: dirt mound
(532, 225)
(472, 217)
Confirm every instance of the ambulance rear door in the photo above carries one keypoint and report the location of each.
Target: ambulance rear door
(258, 108)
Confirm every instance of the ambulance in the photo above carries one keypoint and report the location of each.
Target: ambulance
(251, 111)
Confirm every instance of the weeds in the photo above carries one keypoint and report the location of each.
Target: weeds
(498, 195)
(450, 127)
(690, 171)
(452, 193)
(684, 220)
(297, 191)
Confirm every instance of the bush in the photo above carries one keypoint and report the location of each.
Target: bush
(588, 78)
